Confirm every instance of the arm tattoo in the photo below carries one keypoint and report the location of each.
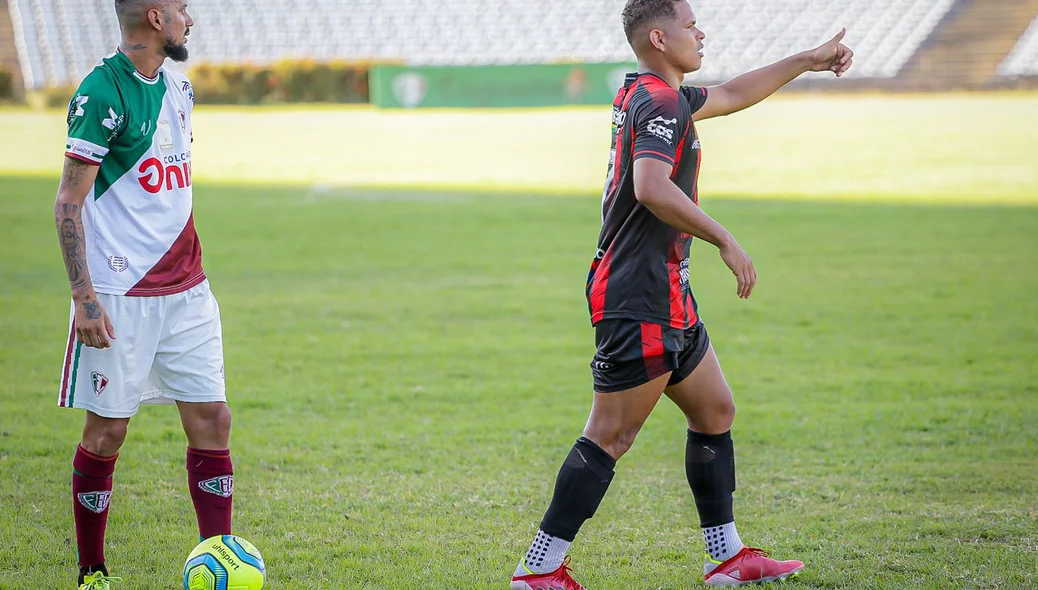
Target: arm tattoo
(72, 174)
(68, 217)
(70, 233)
(93, 309)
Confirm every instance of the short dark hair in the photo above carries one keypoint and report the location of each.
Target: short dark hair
(638, 13)
(129, 12)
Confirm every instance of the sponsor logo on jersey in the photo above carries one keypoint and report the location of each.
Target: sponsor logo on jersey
(170, 171)
(96, 502)
(660, 128)
(85, 149)
(99, 382)
(183, 120)
(118, 263)
(618, 117)
(602, 365)
(186, 87)
(113, 121)
(695, 145)
(222, 486)
(79, 102)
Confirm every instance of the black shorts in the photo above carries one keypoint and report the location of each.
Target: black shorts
(632, 353)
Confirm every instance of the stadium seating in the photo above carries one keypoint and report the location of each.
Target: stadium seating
(1023, 59)
(61, 39)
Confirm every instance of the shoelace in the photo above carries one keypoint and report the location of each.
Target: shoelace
(758, 551)
(102, 583)
(566, 569)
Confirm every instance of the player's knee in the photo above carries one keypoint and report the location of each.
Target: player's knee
(208, 425)
(726, 415)
(616, 442)
(717, 419)
(105, 437)
(218, 422)
(623, 443)
(222, 423)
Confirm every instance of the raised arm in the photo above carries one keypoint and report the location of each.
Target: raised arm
(654, 189)
(750, 88)
(93, 327)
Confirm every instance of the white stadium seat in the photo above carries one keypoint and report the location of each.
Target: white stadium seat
(62, 39)
(1023, 59)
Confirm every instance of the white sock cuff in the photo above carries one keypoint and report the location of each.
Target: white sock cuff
(722, 542)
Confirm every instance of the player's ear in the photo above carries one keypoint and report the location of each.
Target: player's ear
(154, 17)
(656, 39)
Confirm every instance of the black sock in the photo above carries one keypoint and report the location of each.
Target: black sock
(710, 468)
(579, 489)
(85, 571)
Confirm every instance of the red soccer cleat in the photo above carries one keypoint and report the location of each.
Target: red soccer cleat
(556, 580)
(749, 566)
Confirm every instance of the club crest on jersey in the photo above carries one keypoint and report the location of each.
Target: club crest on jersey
(96, 502)
(660, 127)
(222, 486)
(118, 263)
(99, 382)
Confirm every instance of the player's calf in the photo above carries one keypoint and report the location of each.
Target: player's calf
(91, 496)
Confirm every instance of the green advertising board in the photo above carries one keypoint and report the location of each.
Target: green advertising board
(496, 86)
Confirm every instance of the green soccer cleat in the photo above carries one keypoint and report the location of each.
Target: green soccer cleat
(99, 580)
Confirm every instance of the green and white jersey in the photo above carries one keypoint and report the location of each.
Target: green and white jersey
(140, 234)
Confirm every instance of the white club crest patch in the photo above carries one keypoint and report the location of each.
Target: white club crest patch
(99, 382)
(96, 502)
(222, 486)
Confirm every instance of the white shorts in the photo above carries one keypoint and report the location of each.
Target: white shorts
(166, 349)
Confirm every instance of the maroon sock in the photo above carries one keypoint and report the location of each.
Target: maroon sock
(91, 492)
(210, 477)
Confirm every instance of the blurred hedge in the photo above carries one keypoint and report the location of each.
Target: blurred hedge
(281, 82)
(58, 97)
(6, 85)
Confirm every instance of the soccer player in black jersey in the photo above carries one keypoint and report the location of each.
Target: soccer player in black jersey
(649, 336)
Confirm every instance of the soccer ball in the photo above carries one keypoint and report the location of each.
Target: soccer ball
(224, 563)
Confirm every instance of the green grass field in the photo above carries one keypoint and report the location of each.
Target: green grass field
(407, 369)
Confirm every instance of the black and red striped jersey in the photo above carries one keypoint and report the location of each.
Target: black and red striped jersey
(640, 270)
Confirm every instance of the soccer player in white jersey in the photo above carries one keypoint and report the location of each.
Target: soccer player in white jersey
(145, 328)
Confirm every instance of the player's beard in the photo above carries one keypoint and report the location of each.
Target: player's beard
(175, 51)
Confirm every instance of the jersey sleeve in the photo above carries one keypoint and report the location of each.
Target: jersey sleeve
(656, 125)
(95, 117)
(696, 96)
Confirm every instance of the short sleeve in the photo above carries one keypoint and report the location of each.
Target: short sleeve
(656, 127)
(95, 118)
(696, 96)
